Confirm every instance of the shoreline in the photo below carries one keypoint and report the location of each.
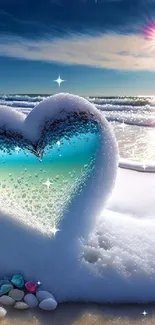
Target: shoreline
(137, 166)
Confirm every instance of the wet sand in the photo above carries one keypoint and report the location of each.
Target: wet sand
(84, 314)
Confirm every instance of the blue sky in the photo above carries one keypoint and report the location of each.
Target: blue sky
(98, 46)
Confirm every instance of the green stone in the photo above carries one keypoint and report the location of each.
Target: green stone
(18, 280)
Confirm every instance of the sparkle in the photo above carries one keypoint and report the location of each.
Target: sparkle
(39, 283)
(59, 80)
(58, 143)
(47, 183)
(144, 166)
(17, 149)
(54, 230)
(123, 126)
(144, 313)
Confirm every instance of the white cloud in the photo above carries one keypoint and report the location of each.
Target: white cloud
(113, 51)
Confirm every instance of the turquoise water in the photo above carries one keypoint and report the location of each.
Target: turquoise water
(41, 189)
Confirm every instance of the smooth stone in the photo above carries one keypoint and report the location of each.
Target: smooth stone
(16, 294)
(3, 312)
(48, 304)
(42, 295)
(18, 280)
(5, 288)
(31, 287)
(7, 301)
(31, 300)
(21, 305)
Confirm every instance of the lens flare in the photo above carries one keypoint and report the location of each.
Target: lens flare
(149, 31)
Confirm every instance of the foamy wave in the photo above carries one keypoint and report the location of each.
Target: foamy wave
(20, 103)
(22, 98)
(134, 101)
(131, 119)
(125, 101)
(128, 108)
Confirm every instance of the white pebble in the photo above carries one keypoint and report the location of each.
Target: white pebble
(42, 295)
(48, 304)
(31, 300)
(21, 305)
(3, 312)
(7, 301)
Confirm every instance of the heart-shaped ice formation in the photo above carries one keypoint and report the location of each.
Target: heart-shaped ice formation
(63, 148)
(62, 130)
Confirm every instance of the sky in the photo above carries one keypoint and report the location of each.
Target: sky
(99, 47)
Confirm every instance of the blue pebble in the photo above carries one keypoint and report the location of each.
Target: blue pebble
(4, 282)
(5, 288)
(18, 280)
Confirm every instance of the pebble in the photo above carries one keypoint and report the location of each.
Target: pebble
(31, 300)
(31, 287)
(48, 304)
(7, 301)
(16, 294)
(3, 312)
(18, 280)
(5, 288)
(21, 305)
(42, 295)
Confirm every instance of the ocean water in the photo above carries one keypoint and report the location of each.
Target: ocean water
(41, 187)
(132, 118)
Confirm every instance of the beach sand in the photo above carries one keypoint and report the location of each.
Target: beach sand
(84, 314)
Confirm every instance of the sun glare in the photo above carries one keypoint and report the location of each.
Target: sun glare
(149, 31)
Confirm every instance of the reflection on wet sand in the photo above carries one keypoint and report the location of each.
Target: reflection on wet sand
(84, 314)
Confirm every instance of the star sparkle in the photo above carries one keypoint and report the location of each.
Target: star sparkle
(144, 313)
(59, 80)
(144, 166)
(58, 143)
(54, 230)
(123, 125)
(17, 149)
(47, 183)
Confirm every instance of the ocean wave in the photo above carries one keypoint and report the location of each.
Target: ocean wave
(20, 103)
(22, 98)
(123, 117)
(130, 101)
(128, 108)
(125, 101)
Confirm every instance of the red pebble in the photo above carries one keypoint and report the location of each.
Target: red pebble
(30, 286)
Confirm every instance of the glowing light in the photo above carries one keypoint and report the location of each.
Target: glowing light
(123, 125)
(17, 149)
(149, 30)
(144, 313)
(59, 80)
(47, 183)
(54, 230)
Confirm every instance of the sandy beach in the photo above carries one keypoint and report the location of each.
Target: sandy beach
(84, 314)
